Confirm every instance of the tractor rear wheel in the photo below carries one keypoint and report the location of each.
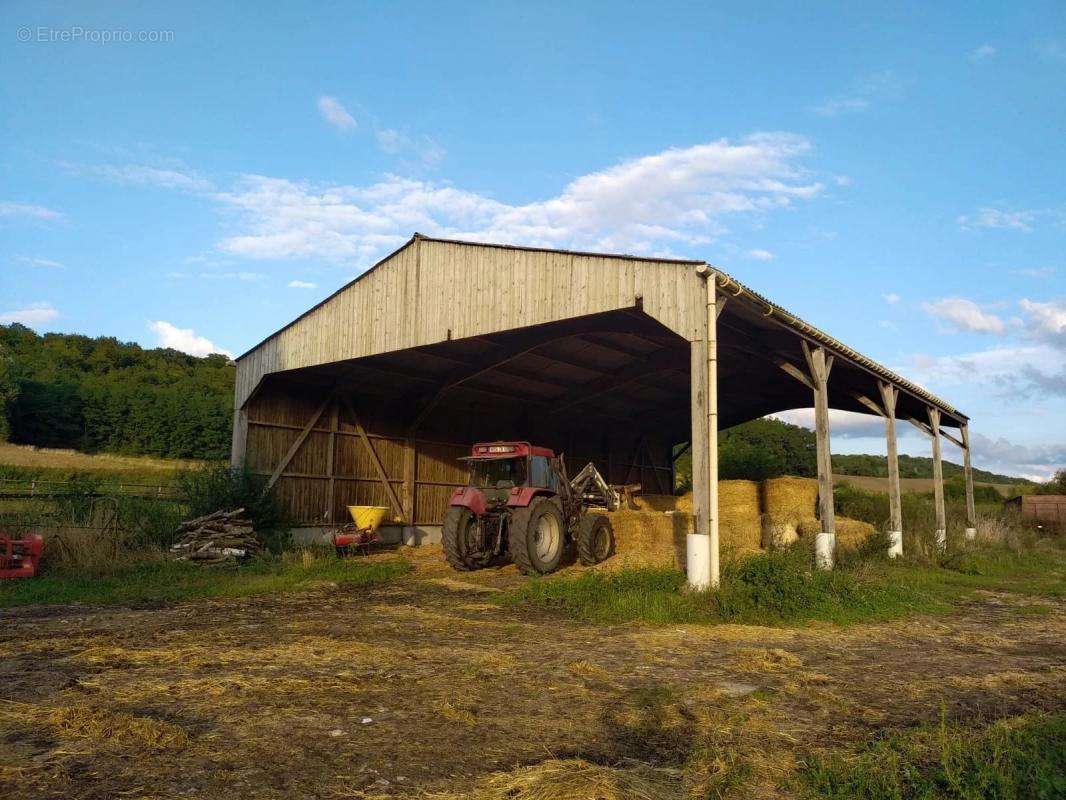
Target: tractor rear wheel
(595, 539)
(461, 540)
(536, 537)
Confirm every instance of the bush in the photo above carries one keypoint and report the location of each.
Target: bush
(219, 486)
(861, 504)
(1019, 758)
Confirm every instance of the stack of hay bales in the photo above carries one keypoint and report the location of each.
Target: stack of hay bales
(752, 516)
(654, 533)
(739, 517)
(646, 538)
(786, 502)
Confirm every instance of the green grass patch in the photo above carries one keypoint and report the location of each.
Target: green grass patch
(168, 581)
(1018, 759)
(781, 588)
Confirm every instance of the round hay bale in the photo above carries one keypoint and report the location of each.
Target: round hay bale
(786, 502)
(852, 532)
(849, 532)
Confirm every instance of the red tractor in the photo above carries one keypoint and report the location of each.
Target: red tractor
(519, 503)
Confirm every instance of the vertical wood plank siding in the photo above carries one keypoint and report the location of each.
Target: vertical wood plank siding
(431, 291)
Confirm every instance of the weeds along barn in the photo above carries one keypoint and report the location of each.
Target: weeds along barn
(373, 395)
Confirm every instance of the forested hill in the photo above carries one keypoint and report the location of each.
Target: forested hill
(65, 390)
(911, 467)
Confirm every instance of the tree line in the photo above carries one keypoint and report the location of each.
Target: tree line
(769, 448)
(100, 394)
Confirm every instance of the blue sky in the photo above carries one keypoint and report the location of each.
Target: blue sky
(197, 176)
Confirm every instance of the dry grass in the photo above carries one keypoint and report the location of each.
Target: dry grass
(759, 659)
(28, 456)
(97, 727)
(574, 779)
(410, 690)
(907, 485)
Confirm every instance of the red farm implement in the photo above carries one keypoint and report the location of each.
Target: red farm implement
(20, 558)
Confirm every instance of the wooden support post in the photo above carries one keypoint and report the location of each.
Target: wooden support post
(889, 396)
(239, 447)
(938, 481)
(410, 468)
(701, 546)
(697, 543)
(971, 514)
(298, 443)
(820, 364)
(712, 426)
(331, 459)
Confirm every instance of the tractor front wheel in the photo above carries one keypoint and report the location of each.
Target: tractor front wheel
(595, 539)
(536, 537)
(461, 540)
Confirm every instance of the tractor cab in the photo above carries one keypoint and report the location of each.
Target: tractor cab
(503, 471)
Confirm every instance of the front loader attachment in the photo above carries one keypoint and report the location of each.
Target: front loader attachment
(593, 490)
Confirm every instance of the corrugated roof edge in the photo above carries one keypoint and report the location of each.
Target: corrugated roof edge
(791, 320)
(724, 279)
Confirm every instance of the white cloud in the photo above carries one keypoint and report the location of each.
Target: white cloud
(760, 255)
(302, 285)
(143, 175)
(842, 180)
(891, 298)
(11, 209)
(862, 95)
(336, 114)
(184, 339)
(960, 314)
(1046, 320)
(842, 424)
(1035, 272)
(983, 52)
(645, 205)
(233, 276)
(34, 261)
(428, 151)
(1000, 455)
(32, 316)
(987, 217)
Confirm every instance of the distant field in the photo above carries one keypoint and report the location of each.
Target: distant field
(30, 461)
(873, 484)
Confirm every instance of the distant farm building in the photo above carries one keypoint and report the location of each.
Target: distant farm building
(1044, 509)
(372, 396)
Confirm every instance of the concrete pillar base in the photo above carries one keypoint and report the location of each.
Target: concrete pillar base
(941, 540)
(971, 534)
(895, 544)
(698, 561)
(824, 547)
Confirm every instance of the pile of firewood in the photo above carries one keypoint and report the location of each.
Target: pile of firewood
(216, 538)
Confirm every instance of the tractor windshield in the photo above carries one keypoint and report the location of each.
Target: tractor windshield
(498, 473)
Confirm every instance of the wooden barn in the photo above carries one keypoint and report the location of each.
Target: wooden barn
(372, 396)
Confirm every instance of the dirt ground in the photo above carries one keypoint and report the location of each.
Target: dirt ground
(427, 686)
